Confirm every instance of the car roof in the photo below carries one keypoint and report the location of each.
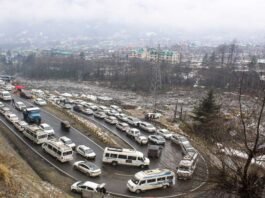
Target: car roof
(45, 124)
(65, 138)
(90, 184)
(83, 146)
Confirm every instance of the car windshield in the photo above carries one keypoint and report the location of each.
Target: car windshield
(67, 153)
(47, 128)
(184, 168)
(134, 180)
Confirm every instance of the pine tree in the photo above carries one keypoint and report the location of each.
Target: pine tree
(206, 113)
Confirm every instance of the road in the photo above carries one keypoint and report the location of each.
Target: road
(115, 177)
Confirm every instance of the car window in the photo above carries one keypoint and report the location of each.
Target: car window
(151, 180)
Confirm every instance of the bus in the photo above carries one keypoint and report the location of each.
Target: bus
(187, 165)
(124, 156)
(151, 179)
(35, 134)
(58, 149)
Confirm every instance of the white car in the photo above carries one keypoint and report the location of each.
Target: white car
(87, 111)
(133, 121)
(40, 101)
(112, 113)
(141, 139)
(11, 117)
(165, 133)
(88, 168)
(89, 186)
(20, 125)
(147, 127)
(4, 110)
(86, 152)
(133, 132)
(115, 107)
(1, 104)
(111, 120)
(123, 126)
(99, 114)
(67, 141)
(47, 128)
(20, 105)
(123, 117)
(179, 139)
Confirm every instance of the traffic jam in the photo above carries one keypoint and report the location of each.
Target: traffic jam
(147, 143)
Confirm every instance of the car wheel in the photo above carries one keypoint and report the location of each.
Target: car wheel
(165, 187)
(114, 163)
(142, 166)
(74, 191)
(138, 191)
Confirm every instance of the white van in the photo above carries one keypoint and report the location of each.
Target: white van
(35, 134)
(151, 179)
(59, 150)
(124, 156)
(187, 165)
(5, 95)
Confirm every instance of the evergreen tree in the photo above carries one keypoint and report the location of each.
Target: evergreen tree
(206, 114)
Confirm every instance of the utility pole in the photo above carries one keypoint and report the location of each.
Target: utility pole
(156, 83)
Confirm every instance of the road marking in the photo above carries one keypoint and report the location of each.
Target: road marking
(125, 175)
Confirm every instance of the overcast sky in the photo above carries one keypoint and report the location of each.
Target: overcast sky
(189, 15)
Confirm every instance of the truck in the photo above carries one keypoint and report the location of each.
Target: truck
(32, 115)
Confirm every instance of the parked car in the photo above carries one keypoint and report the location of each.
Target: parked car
(20, 105)
(65, 125)
(1, 104)
(40, 102)
(66, 106)
(147, 127)
(111, 120)
(103, 108)
(77, 108)
(99, 114)
(141, 139)
(11, 117)
(157, 139)
(67, 141)
(20, 125)
(122, 117)
(88, 168)
(123, 126)
(87, 111)
(178, 139)
(154, 151)
(165, 133)
(133, 121)
(133, 132)
(86, 152)
(89, 186)
(47, 128)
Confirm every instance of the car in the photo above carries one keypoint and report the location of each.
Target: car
(20, 125)
(40, 102)
(47, 128)
(157, 139)
(133, 121)
(1, 104)
(122, 117)
(187, 147)
(86, 152)
(111, 120)
(8, 87)
(154, 151)
(123, 126)
(4, 110)
(147, 127)
(116, 108)
(178, 139)
(20, 105)
(11, 117)
(141, 139)
(67, 141)
(91, 106)
(99, 114)
(77, 108)
(103, 108)
(88, 168)
(133, 132)
(66, 106)
(165, 133)
(112, 112)
(65, 125)
(79, 187)
(87, 111)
